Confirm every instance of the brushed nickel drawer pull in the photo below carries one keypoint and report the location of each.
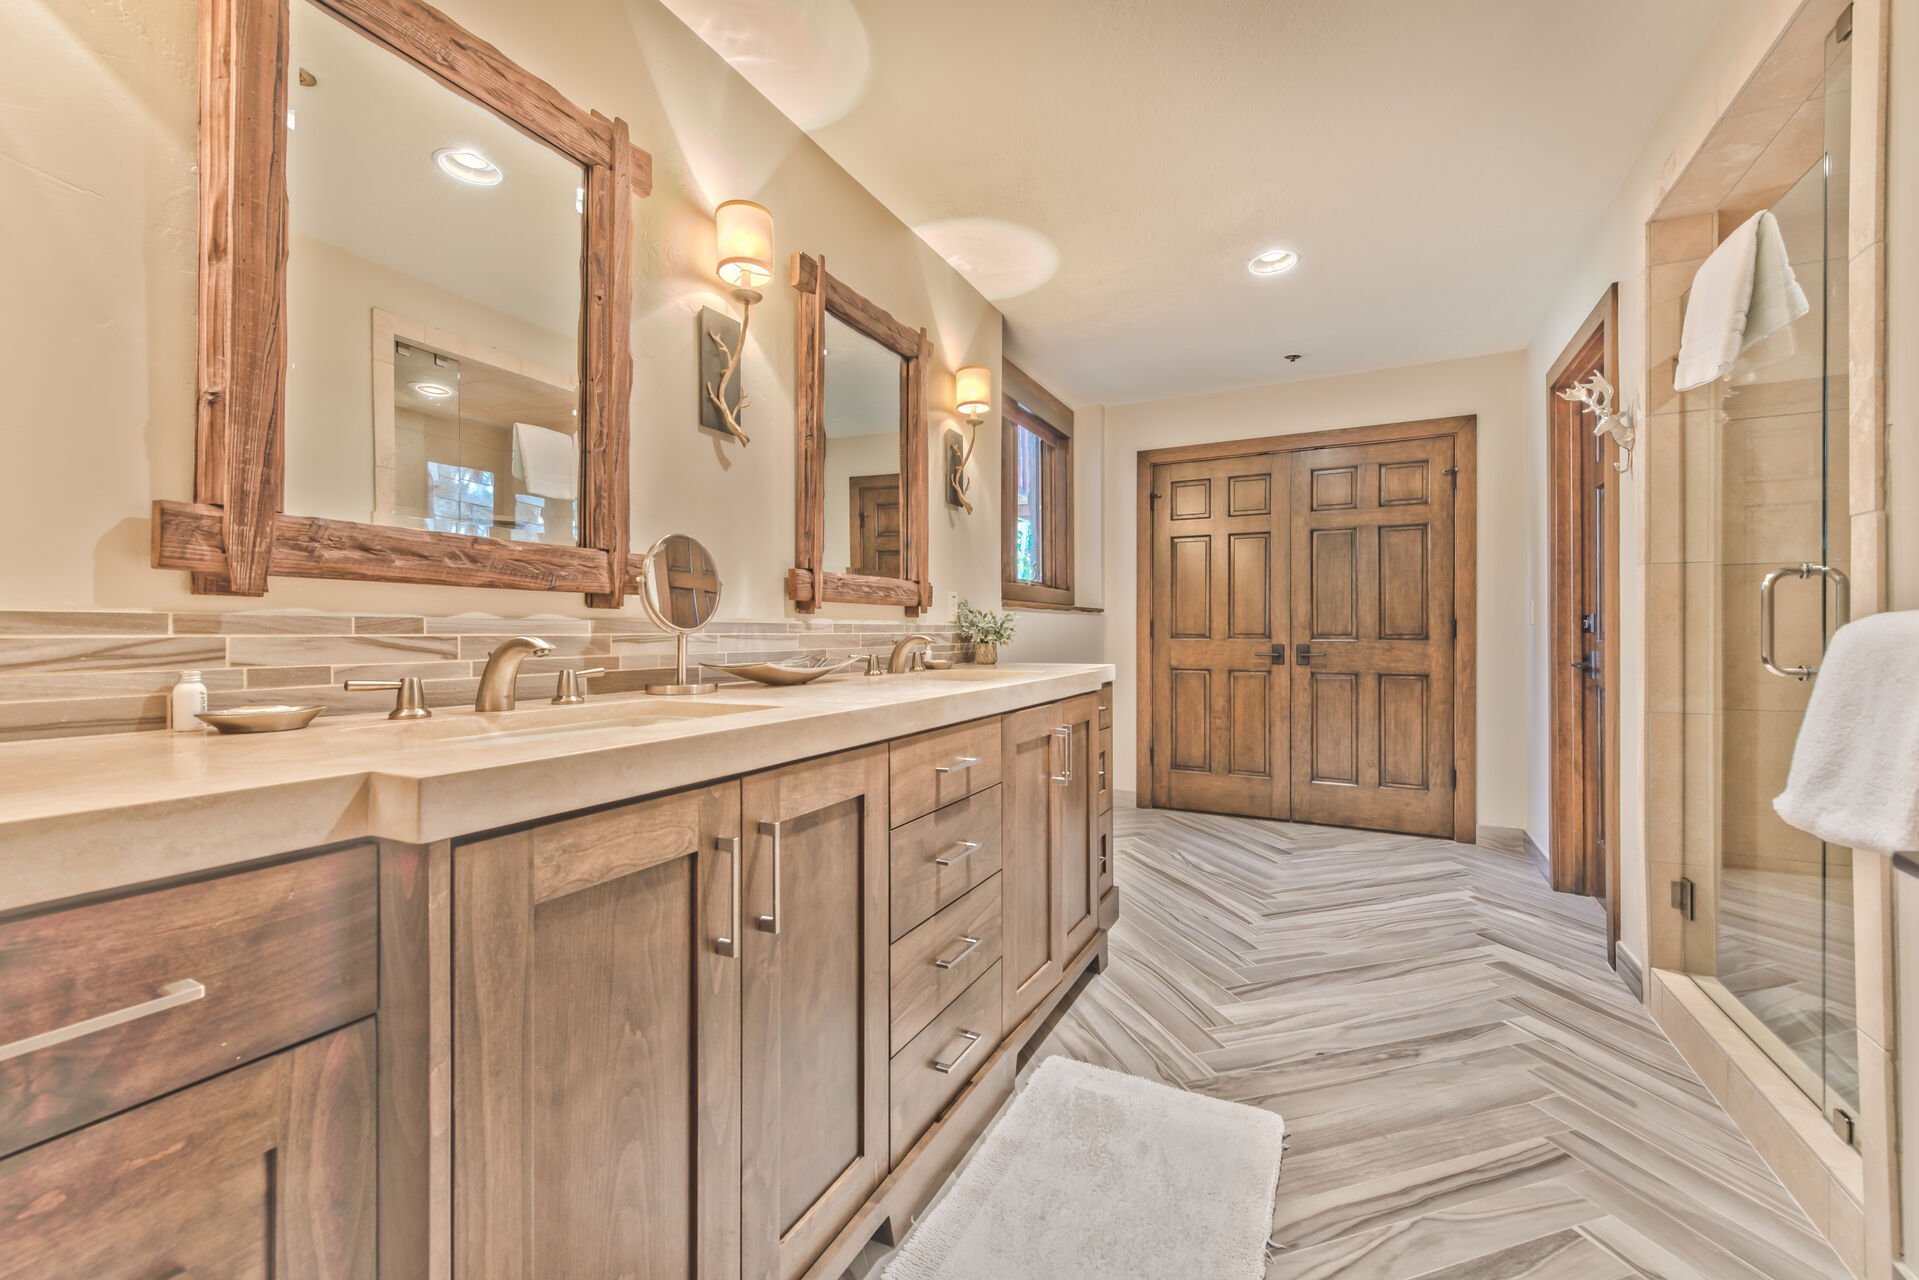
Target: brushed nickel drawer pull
(960, 765)
(172, 996)
(730, 945)
(946, 1068)
(964, 849)
(964, 952)
(771, 924)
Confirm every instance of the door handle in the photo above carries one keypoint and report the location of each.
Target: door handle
(1065, 733)
(1769, 608)
(1278, 655)
(730, 945)
(1303, 655)
(771, 924)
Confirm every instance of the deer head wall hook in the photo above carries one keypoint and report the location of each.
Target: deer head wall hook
(1597, 395)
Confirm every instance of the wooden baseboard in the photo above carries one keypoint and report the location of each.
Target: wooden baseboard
(920, 1173)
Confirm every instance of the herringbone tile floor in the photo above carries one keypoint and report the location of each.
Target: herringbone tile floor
(1469, 1090)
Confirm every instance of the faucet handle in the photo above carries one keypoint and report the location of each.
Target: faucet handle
(410, 705)
(571, 692)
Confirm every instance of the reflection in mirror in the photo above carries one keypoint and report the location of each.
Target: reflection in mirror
(864, 415)
(682, 592)
(433, 302)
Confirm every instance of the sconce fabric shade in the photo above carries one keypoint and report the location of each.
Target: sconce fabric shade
(744, 234)
(973, 391)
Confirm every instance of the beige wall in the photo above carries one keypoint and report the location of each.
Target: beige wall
(1489, 386)
(1615, 251)
(97, 326)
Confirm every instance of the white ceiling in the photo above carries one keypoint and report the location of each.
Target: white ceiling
(1103, 169)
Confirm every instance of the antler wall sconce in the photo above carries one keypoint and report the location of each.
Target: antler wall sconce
(743, 232)
(972, 400)
(1597, 395)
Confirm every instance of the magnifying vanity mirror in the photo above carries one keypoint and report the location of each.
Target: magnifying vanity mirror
(681, 593)
(861, 535)
(415, 302)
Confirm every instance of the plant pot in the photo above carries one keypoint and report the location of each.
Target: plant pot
(985, 653)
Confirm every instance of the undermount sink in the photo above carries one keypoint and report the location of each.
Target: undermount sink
(548, 721)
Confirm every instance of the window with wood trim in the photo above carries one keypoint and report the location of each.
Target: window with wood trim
(1036, 505)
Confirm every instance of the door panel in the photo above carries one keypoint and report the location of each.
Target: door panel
(1220, 598)
(814, 999)
(1372, 681)
(1073, 823)
(1031, 959)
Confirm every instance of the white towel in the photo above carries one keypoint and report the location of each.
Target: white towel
(548, 460)
(1745, 291)
(1855, 769)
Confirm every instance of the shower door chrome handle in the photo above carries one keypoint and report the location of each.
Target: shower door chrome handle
(1769, 608)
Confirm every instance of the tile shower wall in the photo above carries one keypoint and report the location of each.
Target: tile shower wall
(68, 674)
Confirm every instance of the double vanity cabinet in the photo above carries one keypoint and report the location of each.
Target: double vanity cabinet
(733, 1030)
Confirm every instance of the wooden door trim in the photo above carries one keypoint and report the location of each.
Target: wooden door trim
(1596, 337)
(1464, 432)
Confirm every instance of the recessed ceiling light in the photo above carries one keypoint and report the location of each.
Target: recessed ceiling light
(433, 390)
(468, 166)
(1273, 262)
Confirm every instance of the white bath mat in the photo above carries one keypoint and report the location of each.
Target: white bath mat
(1094, 1175)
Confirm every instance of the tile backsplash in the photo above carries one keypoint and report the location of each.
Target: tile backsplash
(66, 674)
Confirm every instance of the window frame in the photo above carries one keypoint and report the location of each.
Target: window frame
(1026, 405)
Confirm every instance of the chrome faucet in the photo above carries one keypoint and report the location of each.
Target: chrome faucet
(502, 674)
(899, 661)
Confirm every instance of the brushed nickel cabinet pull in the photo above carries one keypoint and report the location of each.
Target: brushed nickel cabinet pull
(964, 849)
(963, 952)
(771, 924)
(960, 765)
(172, 996)
(1065, 733)
(730, 945)
(946, 1068)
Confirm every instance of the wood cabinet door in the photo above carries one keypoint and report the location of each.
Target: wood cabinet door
(1032, 943)
(596, 1045)
(1218, 630)
(267, 1171)
(1075, 798)
(1372, 617)
(814, 1004)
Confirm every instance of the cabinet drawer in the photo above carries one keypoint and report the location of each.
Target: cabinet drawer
(1106, 706)
(937, 768)
(110, 1004)
(941, 958)
(930, 1071)
(939, 857)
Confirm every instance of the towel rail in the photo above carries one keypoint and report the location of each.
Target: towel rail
(1768, 609)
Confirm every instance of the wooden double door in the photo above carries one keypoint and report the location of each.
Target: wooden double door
(1303, 635)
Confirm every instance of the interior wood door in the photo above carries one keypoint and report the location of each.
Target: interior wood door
(596, 1045)
(814, 1004)
(1033, 944)
(1220, 570)
(874, 504)
(266, 1171)
(1373, 635)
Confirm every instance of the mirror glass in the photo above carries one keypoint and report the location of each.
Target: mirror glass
(864, 411)
(682, 583)
(433, 302)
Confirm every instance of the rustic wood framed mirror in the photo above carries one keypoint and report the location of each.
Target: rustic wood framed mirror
(861, 533)
(415, 292)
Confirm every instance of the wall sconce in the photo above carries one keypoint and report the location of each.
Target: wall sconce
(972, 400)
(1597, 395)
(743, 232)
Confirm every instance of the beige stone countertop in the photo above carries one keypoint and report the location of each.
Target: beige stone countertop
(88, 815)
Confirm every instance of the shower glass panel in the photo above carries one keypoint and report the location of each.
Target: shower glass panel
(1767, 493)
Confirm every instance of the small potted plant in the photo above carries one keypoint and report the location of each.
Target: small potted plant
(985, 631)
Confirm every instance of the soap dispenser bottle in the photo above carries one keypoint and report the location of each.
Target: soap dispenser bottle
(189, 699)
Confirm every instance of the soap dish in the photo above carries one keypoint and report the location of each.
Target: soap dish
(275, 718)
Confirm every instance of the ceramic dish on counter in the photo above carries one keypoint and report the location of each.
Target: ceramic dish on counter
(274, 718)
(792, 671)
